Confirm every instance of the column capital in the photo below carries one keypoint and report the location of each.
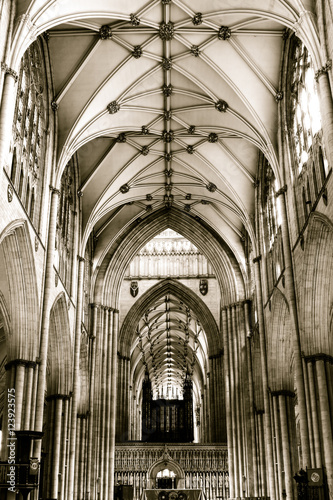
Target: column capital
(257, 259)
(282, 190)
(323, 70)
(80, 258)
(9, 71)
(54, 190)
(283, 392)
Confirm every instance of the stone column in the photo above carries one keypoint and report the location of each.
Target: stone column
(314, 412)
(286, 445)
(76, 377)
(113, 400)
(251, 398)
(91, 400)
(58, 400)
(44, 337)
(298, 366)
(108, 422)
(64, 449)
(326, 420)
(326, 108)
(7, 111)
(227, 400)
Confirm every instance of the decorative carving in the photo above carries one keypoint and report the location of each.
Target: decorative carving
(168, 157)
(195, 50)
(10, 193)
(124, 188)
(9, 71)
(224, 33)
(144, 130)
(324, 69)
(197, 19)
(166, 2)
(54, 106)
(113, 107)
(135, 21)
(166, 31)
(168, 173)
(149, 197)
(191, 129)
(211, 187)
(187, 207)
(145, 150)
(203, 286)
(137, 51)
(190, 150)
(167, 90)
(134, 288)
(281, 191)
(168, 135)
(188, 196)
(221, 106)
(121, 137)
(167, 115)
(213, 137)
(257, 259)
(279, 96)
(46, 36)
(166, 63)
(149, 208)
(204, 202)
(105, 32)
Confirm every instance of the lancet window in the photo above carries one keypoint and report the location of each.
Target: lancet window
(29, 132)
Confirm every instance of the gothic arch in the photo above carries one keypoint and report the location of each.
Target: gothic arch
(22, 295)
(226, 267)
(59, 357)
(168, 285)
(279, 348)
(316, 288)
(165, 462)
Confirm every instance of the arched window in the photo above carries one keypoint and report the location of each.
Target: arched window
(29, 125)
(309, 164)
(65, 225)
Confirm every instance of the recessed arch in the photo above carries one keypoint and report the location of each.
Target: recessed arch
(152, 295)
(226, 267)
(59, 359)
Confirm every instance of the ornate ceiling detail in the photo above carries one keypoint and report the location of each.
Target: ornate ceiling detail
(213, 137)
(168, 158)
(121, 137)
(113, 107)
(167, 90)
(167, 31)
(145, 151)
(166, 63)
(224, 33)
(190, 149)
(135, 21)
(191, 129)
(221, 106)
(124, 188)
(211, 187)
(197, 19)
(168, 135)
(167, 115)
(144, 130)
(195, 50)
(137, 51)
(105, 32)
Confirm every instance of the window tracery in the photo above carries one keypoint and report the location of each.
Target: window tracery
(29, 131)
(310, 165)
(65, 226)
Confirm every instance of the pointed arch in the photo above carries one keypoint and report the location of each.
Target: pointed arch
(316, 288)
(59, 357)
(169, 286)
(23, 295)
(279, 348)
(112, 269)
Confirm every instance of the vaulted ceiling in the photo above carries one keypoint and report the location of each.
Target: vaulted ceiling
(167, 103)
